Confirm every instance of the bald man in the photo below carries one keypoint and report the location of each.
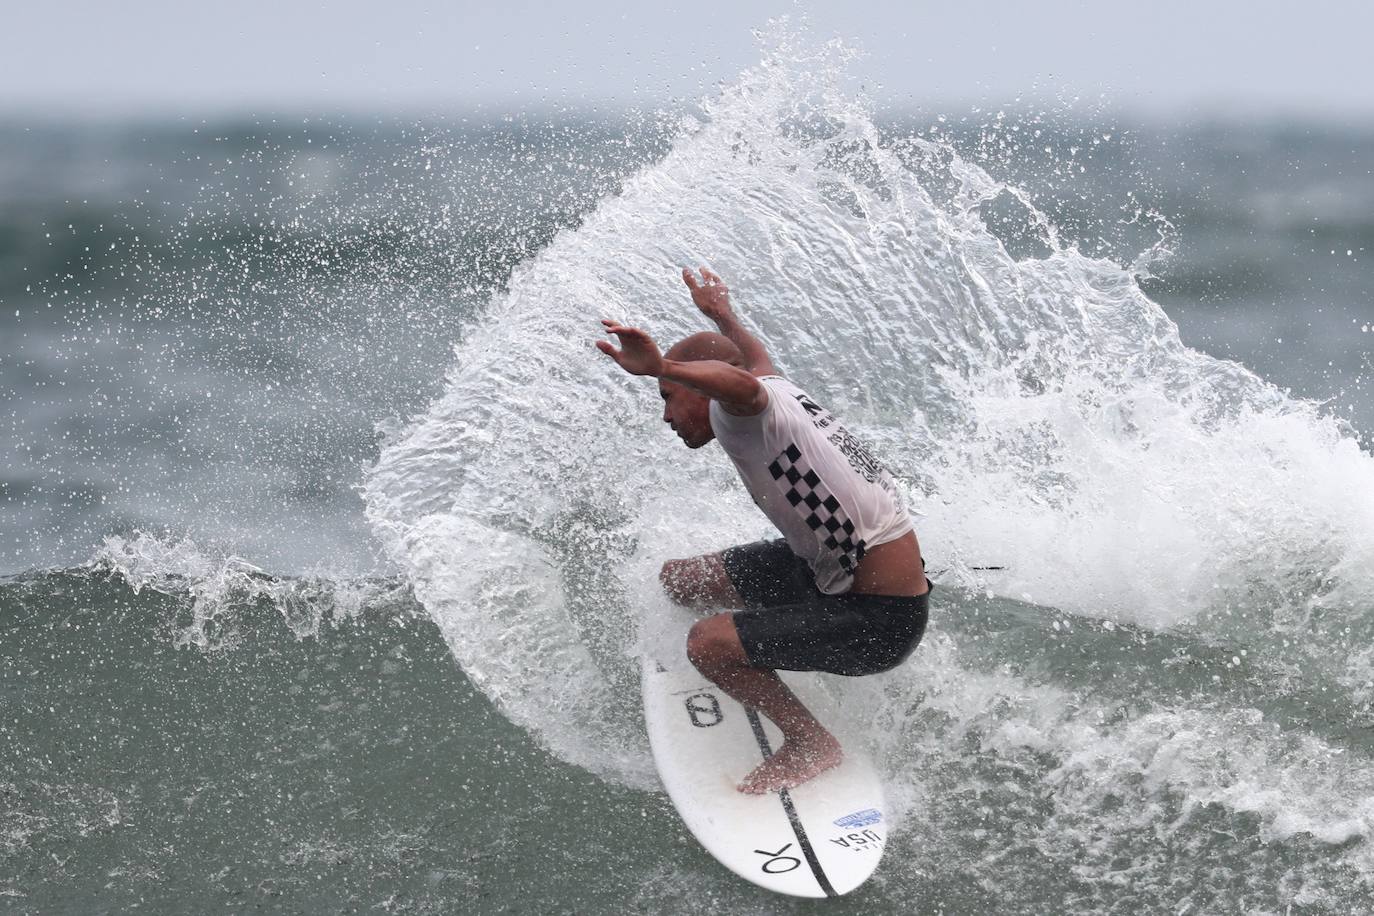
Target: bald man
(842, 591)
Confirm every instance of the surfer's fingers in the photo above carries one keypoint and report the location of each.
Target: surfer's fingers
(690, 279)
(711, 276)
(627, 335)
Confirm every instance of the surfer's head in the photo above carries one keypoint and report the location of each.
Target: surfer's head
(684, 409)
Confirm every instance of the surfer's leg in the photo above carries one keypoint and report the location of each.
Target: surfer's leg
(699, 582)
(761, 574)
(714, 647)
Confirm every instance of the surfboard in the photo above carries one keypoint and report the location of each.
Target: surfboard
(823, 838)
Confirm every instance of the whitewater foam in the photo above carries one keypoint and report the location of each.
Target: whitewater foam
(214, 586)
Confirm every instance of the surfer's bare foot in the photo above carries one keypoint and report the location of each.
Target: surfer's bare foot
(798, 760)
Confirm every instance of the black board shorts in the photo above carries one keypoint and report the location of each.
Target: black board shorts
(790, 624)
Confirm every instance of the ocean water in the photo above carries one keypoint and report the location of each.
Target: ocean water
(329, 540)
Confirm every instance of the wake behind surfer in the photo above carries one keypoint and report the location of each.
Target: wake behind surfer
(842, 591)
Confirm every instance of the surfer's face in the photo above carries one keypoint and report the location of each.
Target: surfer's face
(688, 413)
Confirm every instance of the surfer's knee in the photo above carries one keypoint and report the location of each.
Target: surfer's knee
(713, 643)
(673, 578)
(698, 582)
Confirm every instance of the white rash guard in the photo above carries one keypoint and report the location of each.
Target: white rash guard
(819, 485)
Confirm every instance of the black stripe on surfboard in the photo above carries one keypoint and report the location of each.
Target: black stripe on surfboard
(802, 840)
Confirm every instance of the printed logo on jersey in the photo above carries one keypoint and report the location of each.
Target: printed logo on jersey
(860, 458)
(824, 515)
(819, 416)
(853, 449)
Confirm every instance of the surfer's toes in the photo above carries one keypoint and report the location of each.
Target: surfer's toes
(793, 764)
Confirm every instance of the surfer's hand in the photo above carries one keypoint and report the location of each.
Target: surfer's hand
(640, 355)
(710, 293)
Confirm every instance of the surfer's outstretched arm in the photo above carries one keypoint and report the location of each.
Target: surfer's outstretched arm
(738, 391)
(712, 296)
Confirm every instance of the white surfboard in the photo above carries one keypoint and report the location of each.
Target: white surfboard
(822, 839)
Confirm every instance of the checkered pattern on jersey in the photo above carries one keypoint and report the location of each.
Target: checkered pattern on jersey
(824, 515)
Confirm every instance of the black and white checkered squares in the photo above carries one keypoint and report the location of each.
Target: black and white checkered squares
(824, 515)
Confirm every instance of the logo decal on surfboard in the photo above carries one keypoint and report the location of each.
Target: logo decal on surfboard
(779, 864)
(860, 818)
(704, 710)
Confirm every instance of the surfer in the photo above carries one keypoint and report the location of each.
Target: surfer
(842, 591)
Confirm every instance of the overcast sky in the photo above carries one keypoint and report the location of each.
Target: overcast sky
(1196, 56)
